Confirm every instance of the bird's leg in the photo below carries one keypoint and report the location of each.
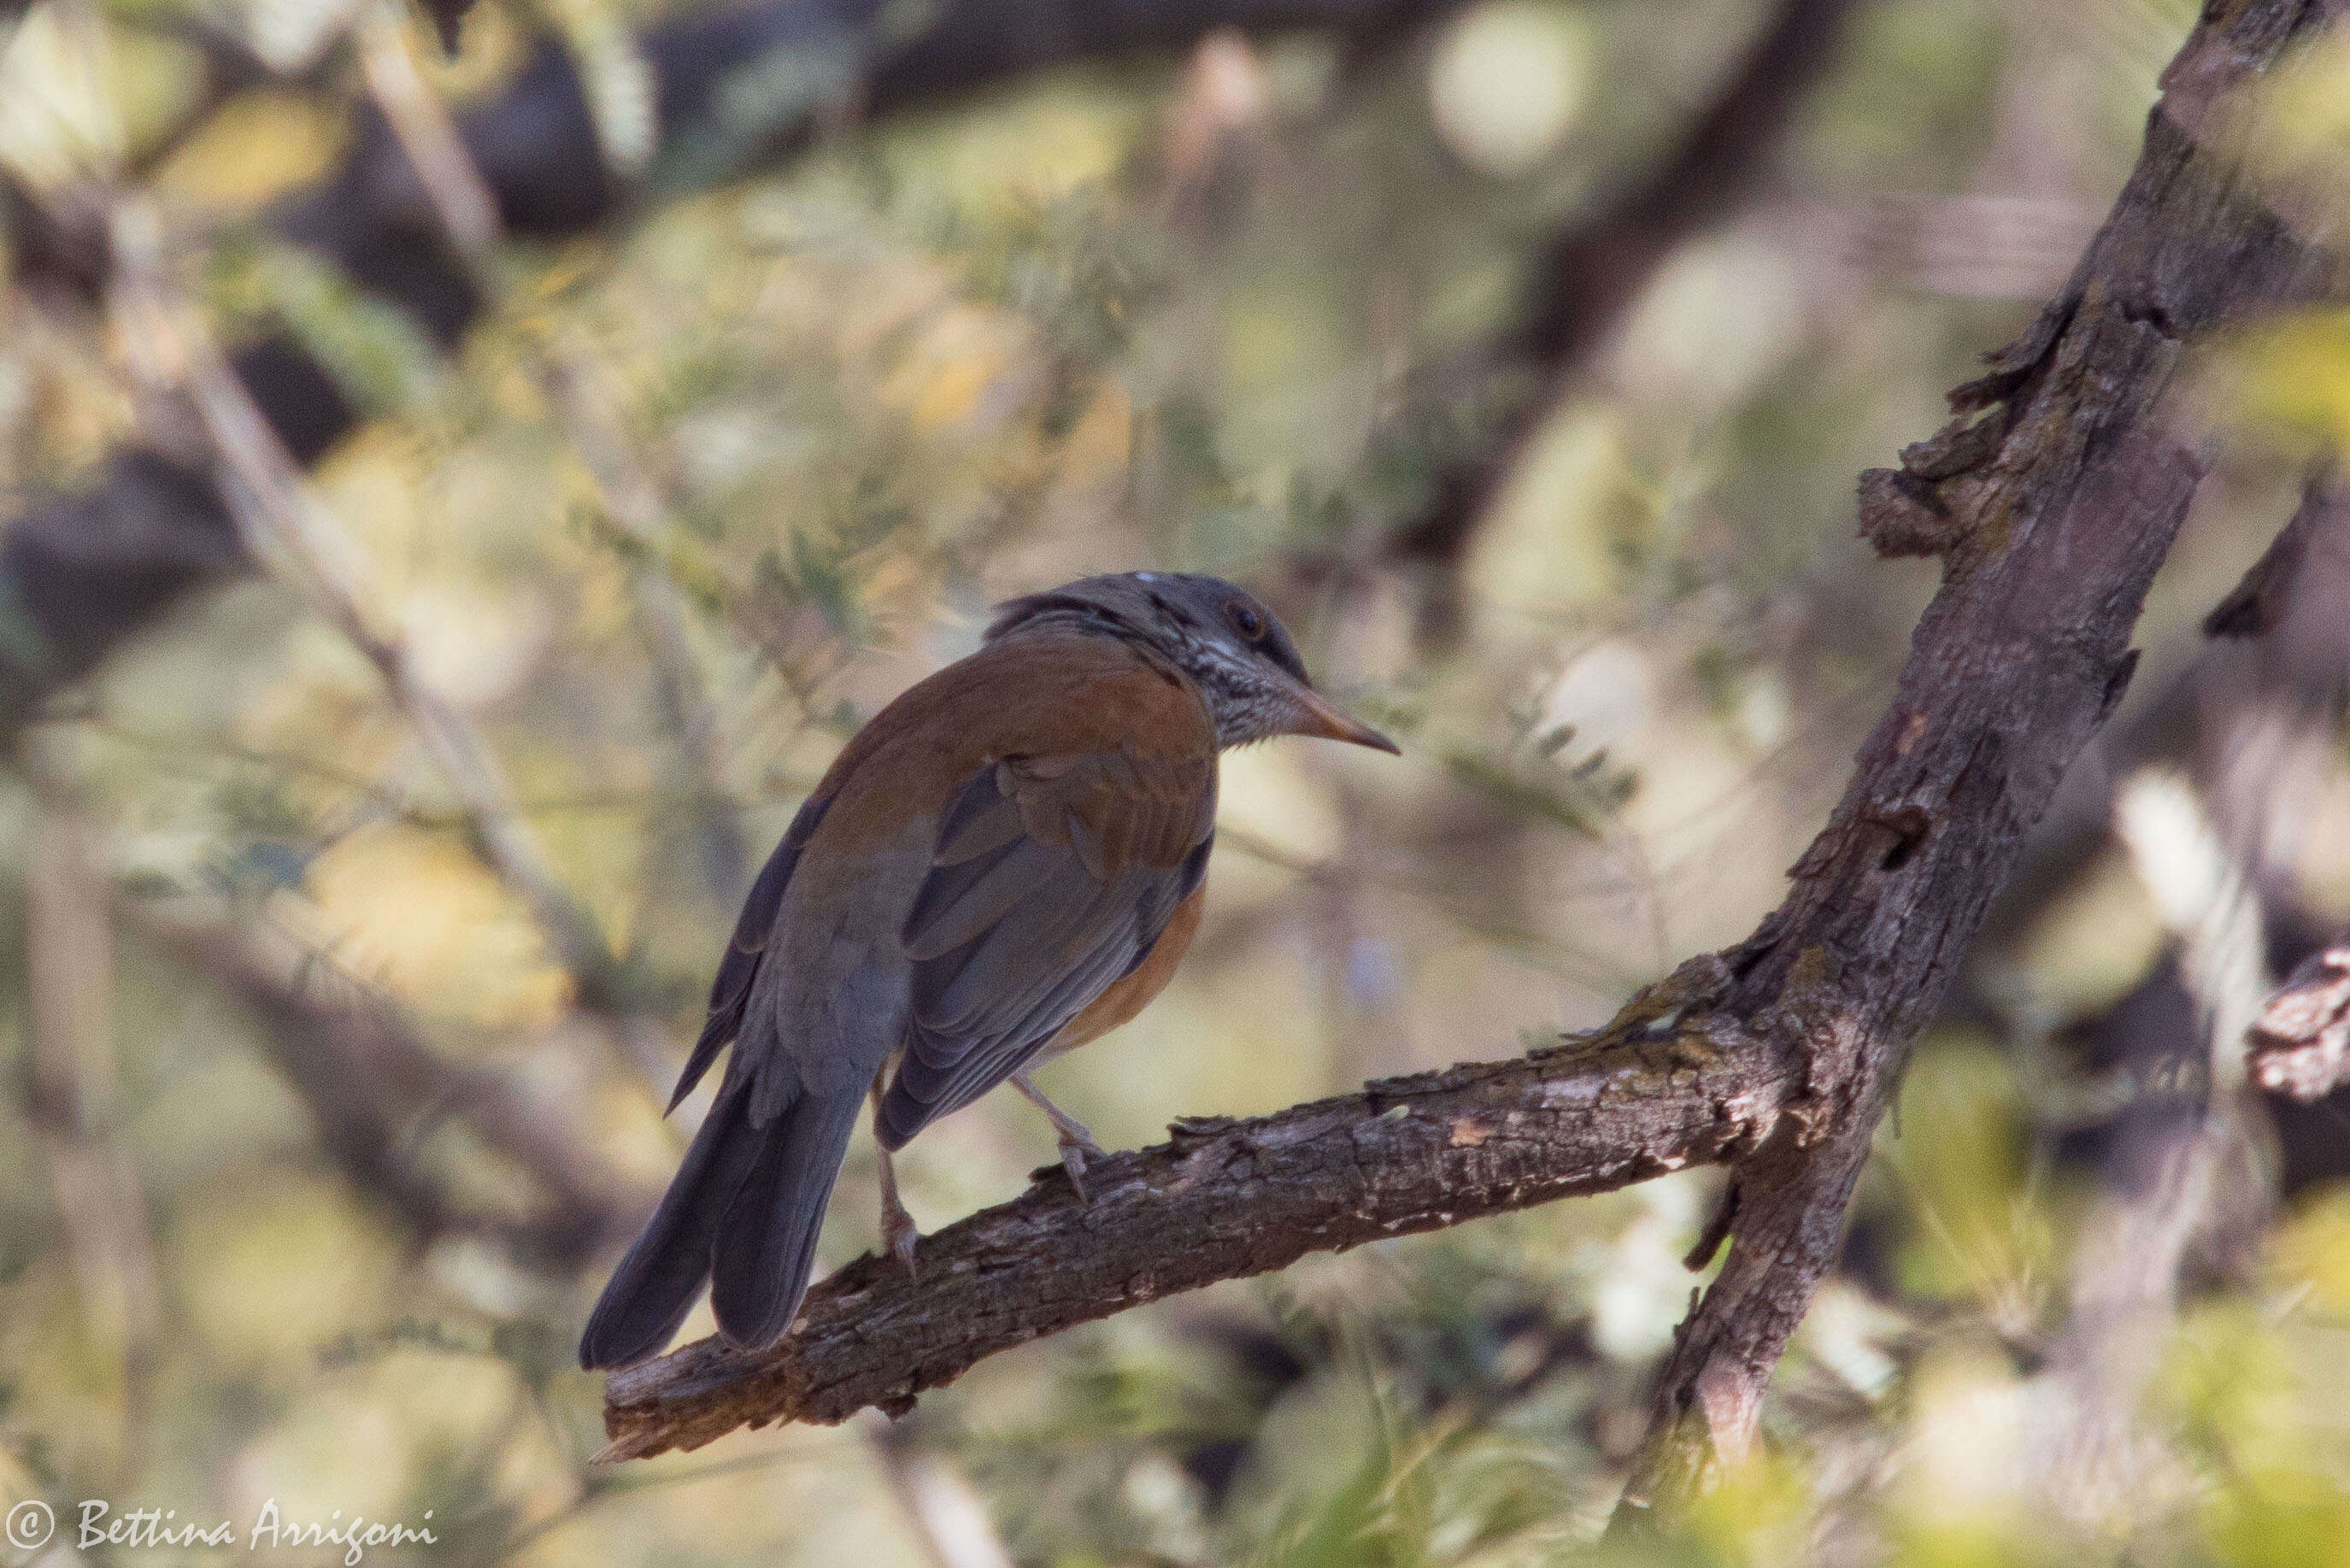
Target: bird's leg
(898, 1232)
(1078, 1144)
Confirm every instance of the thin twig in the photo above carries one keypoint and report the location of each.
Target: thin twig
(635, 500)
(632, 498)
(467, 208)
(284, 522)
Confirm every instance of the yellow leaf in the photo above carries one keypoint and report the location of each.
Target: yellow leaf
(2291, 372)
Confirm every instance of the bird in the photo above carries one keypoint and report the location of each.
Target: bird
(1005, 863)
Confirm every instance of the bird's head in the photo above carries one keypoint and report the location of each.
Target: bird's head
(1233, 649)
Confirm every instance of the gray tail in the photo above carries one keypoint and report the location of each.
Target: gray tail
(742, 1213)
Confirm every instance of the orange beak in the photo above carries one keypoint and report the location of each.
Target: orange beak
(1317, 716)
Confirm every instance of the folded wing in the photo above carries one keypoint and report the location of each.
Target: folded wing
(730, 993)
(1052, 878)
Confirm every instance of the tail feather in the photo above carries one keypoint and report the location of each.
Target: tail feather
(656, 1284)
(767, 1240)
(742, 1212)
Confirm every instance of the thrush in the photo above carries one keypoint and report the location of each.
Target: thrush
(1007, 862)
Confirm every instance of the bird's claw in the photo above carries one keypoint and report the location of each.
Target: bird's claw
(1076, 1152)
(900, 1235)
(1078, 1144)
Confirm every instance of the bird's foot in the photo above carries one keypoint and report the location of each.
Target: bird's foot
(900, 1236)
(1077, 1146)
(898, 1232)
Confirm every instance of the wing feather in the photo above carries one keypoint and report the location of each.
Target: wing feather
(1052, 878)
(730, 993)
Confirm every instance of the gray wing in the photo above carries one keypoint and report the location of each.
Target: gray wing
(1052, 878)
(730, 993)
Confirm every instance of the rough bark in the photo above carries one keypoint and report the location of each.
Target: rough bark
(737, 87)
(1405, 1155)
(2052, 499)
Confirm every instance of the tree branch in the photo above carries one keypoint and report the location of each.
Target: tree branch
(2051, 500)
(1405, 1155)
(2052, 497)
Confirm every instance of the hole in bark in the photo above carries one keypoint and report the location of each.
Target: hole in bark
(1910, 827)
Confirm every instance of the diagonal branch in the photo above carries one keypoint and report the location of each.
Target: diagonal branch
(370, 1080)
(2051, 500)
(1405, 1155)
(280, 518)
(2052, 497)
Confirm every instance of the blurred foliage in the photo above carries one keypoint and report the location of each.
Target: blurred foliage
(700, 496)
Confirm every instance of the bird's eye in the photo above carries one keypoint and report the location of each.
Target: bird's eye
(1244, 620)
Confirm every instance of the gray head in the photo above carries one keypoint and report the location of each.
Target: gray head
(1239, 657)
